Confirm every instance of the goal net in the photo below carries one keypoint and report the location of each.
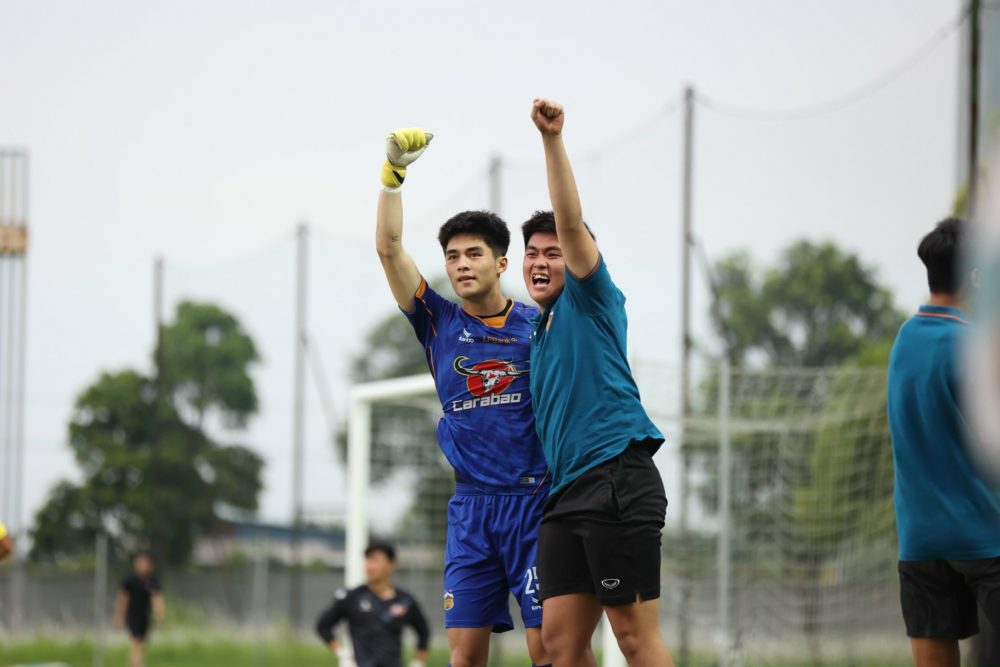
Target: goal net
(779, 546)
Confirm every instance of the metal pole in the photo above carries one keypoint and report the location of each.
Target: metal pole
(158, 549)
(358, 472)
(298, 422)
(6, 448)
(975, 48)
(259, 597)
(100, 598)
(686, 200)
(723, 555)
(20, 383)
(496, 167)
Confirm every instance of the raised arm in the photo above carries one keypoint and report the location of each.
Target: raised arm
(402, 148)
(578, 246)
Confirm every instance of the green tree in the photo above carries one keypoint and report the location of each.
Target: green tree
(206, 355)
(817, 306)
(150, 476)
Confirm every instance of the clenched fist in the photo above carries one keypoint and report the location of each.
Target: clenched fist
(548, 117)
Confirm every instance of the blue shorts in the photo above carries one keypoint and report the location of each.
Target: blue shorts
(490, 554)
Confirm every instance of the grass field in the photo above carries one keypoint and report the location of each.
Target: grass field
(228, 653)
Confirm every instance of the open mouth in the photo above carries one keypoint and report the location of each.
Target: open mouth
(539, 279)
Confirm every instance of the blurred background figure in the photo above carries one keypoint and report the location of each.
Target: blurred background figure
(376, 613)
(139, 602)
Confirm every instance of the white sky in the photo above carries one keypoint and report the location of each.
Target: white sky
(206, 130)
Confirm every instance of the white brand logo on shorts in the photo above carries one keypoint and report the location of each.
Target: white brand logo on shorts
(610, 584)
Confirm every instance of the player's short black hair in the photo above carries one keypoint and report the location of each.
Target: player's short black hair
(383, 547)
(544, 221)
(941, 253)
(488, 225)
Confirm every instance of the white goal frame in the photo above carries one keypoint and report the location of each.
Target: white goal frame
(359, 445)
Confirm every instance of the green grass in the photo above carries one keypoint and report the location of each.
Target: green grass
(196, 653)
(230, 653)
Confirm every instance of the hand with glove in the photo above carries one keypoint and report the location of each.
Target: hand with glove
(402, 148)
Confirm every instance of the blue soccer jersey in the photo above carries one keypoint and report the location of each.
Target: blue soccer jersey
(944, 509)
(480, 368)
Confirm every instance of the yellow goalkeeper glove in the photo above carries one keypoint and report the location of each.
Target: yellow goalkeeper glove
(402, 148)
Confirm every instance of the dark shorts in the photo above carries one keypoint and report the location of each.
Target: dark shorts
(939, 597)
(601, 533)
(138, 628)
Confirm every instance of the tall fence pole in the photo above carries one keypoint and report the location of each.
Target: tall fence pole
(298, 427)
(100, 598)
(686, 347)
(259, 597)
(724, 555)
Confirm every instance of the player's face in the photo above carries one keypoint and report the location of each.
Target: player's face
(143, 566)
(378, 567)
(544, 268)
(472, 269)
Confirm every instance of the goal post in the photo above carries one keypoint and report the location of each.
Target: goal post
(362, 397)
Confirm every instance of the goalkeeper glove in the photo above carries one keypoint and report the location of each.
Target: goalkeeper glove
(402, 148)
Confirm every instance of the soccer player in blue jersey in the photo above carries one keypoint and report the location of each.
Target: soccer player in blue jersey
(478, 353)
(599, 542)
(947, 516)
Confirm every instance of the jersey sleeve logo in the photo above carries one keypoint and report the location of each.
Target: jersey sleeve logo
(487, 377)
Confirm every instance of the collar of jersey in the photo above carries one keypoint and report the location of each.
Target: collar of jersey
(496, 322)
(943, 312)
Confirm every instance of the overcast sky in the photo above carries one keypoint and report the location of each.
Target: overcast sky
(206, 130)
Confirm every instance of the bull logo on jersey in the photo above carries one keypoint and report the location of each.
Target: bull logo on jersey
(487, 377)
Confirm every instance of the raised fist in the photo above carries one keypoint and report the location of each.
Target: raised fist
(548, 116)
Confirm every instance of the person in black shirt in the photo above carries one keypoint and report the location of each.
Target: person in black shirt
(375, 613)
(139, 600)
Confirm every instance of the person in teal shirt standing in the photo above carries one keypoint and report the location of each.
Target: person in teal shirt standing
(599, 541)
(947, 515)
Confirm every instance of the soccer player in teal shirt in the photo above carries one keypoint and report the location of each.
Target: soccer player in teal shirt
(947, 517)
(599, 542)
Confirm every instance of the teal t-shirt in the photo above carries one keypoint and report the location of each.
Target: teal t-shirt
(944, 509)
(587, 407)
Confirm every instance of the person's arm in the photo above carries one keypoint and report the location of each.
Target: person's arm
(403, 146)
(328, 619)
(159, 606)
(121, 603)
(578, 247)
(419, 623)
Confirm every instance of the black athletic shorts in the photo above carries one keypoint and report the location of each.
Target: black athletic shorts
(939, 597)
(601, 533)
(137, 626)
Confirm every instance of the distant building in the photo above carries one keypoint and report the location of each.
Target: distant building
(247, 540)
(238, 539)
